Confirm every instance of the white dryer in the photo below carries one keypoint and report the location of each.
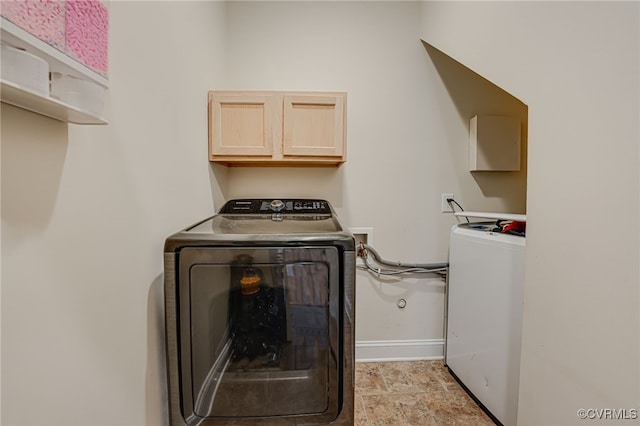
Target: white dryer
(484, 316)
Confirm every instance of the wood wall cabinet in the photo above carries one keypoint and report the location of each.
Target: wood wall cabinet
(277, 128)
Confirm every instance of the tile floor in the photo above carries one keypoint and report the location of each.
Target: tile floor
(420, 393)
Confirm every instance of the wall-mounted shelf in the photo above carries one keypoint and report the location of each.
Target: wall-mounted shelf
(31, 101)
(59, 62)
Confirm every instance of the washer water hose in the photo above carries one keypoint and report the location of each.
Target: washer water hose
(400, 267)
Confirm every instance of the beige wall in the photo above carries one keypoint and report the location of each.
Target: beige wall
(407, 139)
(85, 211)
(575, 65)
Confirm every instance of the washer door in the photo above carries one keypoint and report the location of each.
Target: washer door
(260, 333)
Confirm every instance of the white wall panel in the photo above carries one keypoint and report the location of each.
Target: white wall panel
(576, 66)
(85, 211)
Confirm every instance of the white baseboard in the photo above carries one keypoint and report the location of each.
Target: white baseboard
(399, 350)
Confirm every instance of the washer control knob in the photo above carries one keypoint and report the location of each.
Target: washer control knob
(277, 205)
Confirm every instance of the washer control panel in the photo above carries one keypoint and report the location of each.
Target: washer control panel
(283, 206)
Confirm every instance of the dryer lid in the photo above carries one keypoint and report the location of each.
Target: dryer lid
(263, 222)
(270, 217)
(268, 224)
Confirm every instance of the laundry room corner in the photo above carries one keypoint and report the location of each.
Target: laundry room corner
(407, 143)
(155, 272)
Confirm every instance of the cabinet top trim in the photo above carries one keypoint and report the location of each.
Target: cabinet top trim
(267, 93)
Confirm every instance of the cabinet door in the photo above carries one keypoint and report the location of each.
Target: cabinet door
(243, 124)
(314, 125)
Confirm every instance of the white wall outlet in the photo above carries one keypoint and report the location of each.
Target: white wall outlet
(446, 207)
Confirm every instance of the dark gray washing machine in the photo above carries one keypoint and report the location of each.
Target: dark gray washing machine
(259, 304)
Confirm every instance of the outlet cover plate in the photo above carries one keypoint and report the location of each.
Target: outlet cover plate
(446, 207)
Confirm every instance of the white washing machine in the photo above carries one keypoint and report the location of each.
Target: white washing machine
(484, 316)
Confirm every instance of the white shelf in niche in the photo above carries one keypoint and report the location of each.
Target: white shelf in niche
(24, 98)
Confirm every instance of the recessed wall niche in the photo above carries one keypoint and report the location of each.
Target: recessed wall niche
(489, 141)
